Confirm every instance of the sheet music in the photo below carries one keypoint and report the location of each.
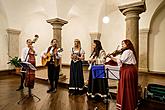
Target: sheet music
(112, 72)
(98, 71)
(29, 65)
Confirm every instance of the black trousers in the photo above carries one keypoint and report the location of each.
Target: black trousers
(22, 79)
(53, 75)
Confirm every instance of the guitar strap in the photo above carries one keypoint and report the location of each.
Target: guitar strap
(55, 61)
(49, 48)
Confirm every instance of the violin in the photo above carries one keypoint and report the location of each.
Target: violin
(115, 53)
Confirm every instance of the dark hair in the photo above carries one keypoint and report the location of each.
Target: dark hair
(53, 40)
(130, 46)
(28, 40)
(97, 48)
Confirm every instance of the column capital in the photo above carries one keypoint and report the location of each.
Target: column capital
(146, 30)
(13, 31)
(95, 35)
(133, 8)
(57, 22)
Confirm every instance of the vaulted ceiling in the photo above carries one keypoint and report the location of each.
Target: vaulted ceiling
(16, 10)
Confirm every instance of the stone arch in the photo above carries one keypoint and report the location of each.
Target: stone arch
(156, 39)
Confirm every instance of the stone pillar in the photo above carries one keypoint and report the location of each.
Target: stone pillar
(94, 36)
(57, 24)
(143, 50)
(132, 11)
(13, 46)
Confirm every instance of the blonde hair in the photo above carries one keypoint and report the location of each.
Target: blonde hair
(78, 41)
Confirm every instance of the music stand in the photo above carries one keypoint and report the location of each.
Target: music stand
(28, 66)
(112, 72)
(106, 72)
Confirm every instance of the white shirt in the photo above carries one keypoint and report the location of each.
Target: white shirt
(58, 55)
(127, 57)
(101, 58)
(25, 56)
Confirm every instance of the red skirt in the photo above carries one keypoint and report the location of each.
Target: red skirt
(30, 76)
(127, 96)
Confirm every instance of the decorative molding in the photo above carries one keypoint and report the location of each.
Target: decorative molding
(57, 22)
(145, 30)
(95, 35)
(143, 69)
(136, 6)
(13, 31)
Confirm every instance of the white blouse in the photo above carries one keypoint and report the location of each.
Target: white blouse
(25, 56)
(73, 51)
(127, 57)
(101, 58)
(77, 52)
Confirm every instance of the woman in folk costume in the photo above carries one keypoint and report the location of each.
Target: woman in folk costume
(98, 86)
(76, 82)
(127, 96)
(28, 55)
(52, 56)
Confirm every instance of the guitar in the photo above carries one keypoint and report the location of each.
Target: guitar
(47, 57)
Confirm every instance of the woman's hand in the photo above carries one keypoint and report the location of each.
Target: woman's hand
(74, 57)
(93, 60)
(32, 51)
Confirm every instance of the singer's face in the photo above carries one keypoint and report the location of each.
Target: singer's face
(123, 45)
(93, 45)
(54, 43)
(75, 43)
(29, 42)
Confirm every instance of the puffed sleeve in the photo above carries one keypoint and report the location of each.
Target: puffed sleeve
(101, 59)
(59, 54)
(82, 51)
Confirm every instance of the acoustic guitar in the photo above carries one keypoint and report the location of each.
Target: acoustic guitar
(48, 57)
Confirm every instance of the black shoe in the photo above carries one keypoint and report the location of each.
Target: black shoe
(50, 90)
(54, 91)
(20, 88)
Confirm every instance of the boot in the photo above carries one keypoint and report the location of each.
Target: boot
(22, 82)
(51, 87)
(20, 88)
